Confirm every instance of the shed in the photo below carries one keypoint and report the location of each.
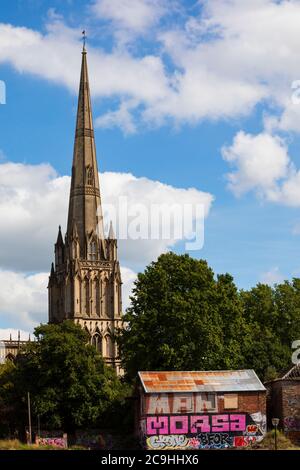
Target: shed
(283, 402)
(200, 409)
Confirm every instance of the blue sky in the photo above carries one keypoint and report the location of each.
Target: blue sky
(191, 94)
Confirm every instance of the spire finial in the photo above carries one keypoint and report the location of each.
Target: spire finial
(84, 40)
(111, 234)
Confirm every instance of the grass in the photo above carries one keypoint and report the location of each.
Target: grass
(15, 444)
(268, 443)
(283, 443)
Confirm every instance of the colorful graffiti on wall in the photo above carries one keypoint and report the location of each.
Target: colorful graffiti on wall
(93, 439)
(211, 431)
(172, 403)
(291, 423)
(52, 441)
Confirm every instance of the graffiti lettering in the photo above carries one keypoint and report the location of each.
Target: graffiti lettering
(168, 442)
(157, 425)
(178, 424)
(202, 441)
(204, 431)
(199, 423)
(52, 441)
(172, 403)
(215, 441)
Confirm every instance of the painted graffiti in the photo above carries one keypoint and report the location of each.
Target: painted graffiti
(252, 429)
(211, 431)
(93, 439)
(172, 403)
(291, 423)
(261, 421)
(294, 401)
(245, 441)
(215, 441)
(194, 424)
(168, 442)
(202, 441)
(52, 441)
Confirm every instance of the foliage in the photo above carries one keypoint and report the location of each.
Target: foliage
(15, 444)
(69, 384)
(268, 443)
(178, 318)
(183, 318)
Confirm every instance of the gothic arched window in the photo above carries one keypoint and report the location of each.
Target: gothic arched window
(90, 176)
(98, 297)
(97, 342)
(87, 294)
(92, 251)
(109, 347)
(107, 298)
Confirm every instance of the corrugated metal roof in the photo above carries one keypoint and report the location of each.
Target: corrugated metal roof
(201, 381)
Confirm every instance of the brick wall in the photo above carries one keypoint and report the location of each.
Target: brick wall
(248, 402)
(274, 403)
(284, 403)
(291, 398)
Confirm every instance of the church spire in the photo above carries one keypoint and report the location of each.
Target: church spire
(85, 203)
(85, 282)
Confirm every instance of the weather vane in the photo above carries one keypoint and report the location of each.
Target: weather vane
(84, 39)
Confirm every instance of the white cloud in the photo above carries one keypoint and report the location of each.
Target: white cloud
(263, 165)
(261, 160)
(289, 193)
(143, 196)
(216, 64)
(121, 118)
(34, 201)
(23, 299)
(272, 277)
(133, 15)
(117, 73)
(128, 278)
(296, 228)
(7, 333)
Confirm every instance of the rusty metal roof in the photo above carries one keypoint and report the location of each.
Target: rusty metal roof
(201, 381)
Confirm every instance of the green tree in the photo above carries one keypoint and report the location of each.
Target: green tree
(287, 299)
(179, 318)
(69, 384)
(234, 326)
(265, 350)
(182, 318)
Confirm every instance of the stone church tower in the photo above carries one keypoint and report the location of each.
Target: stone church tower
(85, 281)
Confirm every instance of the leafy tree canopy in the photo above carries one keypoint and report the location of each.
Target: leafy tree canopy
(182, 317)
(69, 384)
